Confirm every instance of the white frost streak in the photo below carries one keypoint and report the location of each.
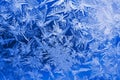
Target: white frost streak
(58, 3)
(81, 70)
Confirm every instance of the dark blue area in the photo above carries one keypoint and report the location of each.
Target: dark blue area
(115, 40)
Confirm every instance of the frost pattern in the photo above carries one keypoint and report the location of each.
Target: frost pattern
(59, 40)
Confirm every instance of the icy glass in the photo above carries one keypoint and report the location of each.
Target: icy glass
(59, 39)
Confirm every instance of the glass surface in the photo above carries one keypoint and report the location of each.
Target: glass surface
(59, 39)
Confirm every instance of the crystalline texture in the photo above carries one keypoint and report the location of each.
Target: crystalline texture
(59, 40)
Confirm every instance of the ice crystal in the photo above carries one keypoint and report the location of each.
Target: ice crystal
(59, 40)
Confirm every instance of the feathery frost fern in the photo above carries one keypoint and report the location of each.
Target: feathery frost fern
(59, 40)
